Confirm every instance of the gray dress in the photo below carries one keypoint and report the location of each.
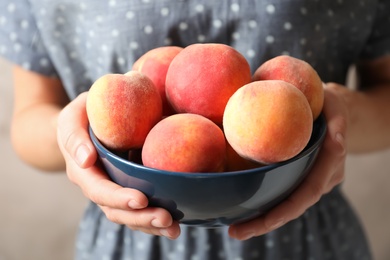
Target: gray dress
(80, 40)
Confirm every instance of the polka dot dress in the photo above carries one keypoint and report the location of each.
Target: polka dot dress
(81, 40)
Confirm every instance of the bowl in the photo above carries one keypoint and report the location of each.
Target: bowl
(215, 199)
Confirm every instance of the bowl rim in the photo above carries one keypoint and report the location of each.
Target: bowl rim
(265, 168)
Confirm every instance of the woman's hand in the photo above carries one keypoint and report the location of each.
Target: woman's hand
(327, 172)
(121, 205)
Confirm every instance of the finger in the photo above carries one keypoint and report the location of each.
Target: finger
(150, 217)
(171, 232)
(97, 186)
(72, 133)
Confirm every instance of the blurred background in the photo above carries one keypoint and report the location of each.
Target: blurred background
(40, 211)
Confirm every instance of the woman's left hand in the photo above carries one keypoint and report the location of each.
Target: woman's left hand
(327, 172)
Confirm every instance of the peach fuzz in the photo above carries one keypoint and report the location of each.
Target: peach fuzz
(297, 72)
(154, 64)
(202, 77)
(268, 121)
(122, 109)
(187, 143)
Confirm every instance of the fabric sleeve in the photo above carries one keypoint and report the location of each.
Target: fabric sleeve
(20, 38)
(378, 44)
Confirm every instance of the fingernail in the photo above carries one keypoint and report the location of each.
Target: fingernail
(164, 232)
(339, 138)
(135, 204)
(157, 223)
(276, 224)
(82, 154)
(248, 235)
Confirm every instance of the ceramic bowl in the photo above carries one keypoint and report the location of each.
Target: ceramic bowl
(215, 199)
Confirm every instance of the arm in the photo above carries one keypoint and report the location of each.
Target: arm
(369, 109)
(37, 103)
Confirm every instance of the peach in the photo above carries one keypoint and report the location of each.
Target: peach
(268, 121)
(185, 143)
(297, 72)
(202, 77)
(154, 64)
(235, 162)
(122, 109)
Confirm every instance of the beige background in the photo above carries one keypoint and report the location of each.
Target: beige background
(39, 212)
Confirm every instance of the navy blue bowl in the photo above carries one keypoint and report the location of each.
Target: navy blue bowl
(215, 199)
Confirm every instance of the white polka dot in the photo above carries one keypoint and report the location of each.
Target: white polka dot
(60, 20)
(164, 11)
(42, 11)
(195, 257)
(99, 19)
(199, 8)
(83, 6)
(112, 3)
(11, 7)
(140, 245)
(317, 27)
(236, 35)
(91, 33)
(148, 29)
(115, 33)
(287, 26)
(43, 62)
(269, 243)
(121, 61)
(129, 15)
(235, 7)
(217, 23)
(24, 24)
(309, 238)
(252, 24)
(251, 53)
(133, 45)
(221, 254)
(13, 36)
(303, 41)
(201, 38)
(3, 20)
(303, 10)
(26, 65)
(180, 247)
(168, 41)
(3, 49)
(270, 9)
(146, 1)
(183, 26)
(269, 39)
(285, 53)
(309, 53)
(104, 48)
(330, 12)
(17, 47)
(73, 55)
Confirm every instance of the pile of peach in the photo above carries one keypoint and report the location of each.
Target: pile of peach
(199, 109)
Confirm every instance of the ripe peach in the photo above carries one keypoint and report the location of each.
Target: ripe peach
(122, 109)
(268, 121)
(297, 72)
(185, 143)
(154, 64)
(202, 77)
(235, 162)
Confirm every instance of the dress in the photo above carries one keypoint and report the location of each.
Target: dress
(81, 40)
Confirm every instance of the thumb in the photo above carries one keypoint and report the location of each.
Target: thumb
(72, 133)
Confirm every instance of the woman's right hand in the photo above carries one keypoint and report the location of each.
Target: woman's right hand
(121, 205)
